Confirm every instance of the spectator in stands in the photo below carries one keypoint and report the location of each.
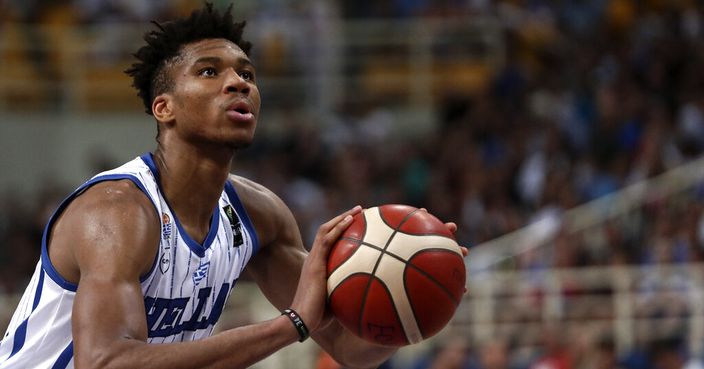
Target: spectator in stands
(452, 353)
(493, 354)
(110, 45)
(555, 352)
(670, 353)
(606, 356)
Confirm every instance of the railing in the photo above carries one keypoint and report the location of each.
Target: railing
(79, 68)
(583, 217)
(633, 304)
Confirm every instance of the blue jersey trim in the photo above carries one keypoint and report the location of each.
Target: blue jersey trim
(235, 201)
(46, 262)
(20, 336)
(21, 332)
(64, 358)
(195, 246)
(38, 293)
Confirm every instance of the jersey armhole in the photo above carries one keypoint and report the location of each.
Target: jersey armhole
(47, 266)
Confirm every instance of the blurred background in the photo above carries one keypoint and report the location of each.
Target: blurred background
(563, 137)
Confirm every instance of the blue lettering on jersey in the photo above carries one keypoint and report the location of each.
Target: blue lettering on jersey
(165, 316)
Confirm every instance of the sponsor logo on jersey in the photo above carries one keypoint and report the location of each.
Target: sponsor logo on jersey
(235, 224)
(166, 233)
(165, 262)
(166, 227)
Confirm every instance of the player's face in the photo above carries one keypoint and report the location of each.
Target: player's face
(215, 96)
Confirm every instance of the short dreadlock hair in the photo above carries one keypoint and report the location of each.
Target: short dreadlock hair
(150, 75)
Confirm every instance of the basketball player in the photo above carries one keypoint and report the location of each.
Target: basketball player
(138, 262)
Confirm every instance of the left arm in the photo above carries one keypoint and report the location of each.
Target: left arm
(282, 262)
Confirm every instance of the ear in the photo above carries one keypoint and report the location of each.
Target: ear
(162, 108)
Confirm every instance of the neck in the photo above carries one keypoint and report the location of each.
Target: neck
(192, 180)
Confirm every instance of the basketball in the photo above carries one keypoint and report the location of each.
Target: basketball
(395, 276)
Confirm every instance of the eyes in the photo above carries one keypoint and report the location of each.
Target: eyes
(212, 72)
(208, 72)
(247, 75)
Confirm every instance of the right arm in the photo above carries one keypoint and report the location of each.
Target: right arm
(106, 239)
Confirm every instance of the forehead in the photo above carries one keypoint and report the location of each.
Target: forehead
(218, 46)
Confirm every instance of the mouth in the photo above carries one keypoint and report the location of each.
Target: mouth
(240, 111)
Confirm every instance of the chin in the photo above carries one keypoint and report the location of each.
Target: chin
(239, 144)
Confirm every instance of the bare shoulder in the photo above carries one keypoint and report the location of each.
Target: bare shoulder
(121, 193)
(111, 220)
(268, 212)
(121, 201)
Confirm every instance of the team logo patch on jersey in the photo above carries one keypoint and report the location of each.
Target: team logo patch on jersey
(201, 273)
(235, 224)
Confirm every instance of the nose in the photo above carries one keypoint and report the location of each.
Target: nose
(235, 84)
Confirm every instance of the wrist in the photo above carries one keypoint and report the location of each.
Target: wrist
(298, 324)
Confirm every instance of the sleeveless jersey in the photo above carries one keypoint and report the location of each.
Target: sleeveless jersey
(184, 293)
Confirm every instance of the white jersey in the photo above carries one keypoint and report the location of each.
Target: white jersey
(184, 293)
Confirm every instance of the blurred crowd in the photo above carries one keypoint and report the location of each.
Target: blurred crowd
(593, 96)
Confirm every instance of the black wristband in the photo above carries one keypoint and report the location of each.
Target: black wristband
(298, 323)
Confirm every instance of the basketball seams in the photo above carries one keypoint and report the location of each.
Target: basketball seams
(393, 234)
(400, 224)
(401, 258)
(426, 234)
(353, 240)
(385, 251)
(343, 280)
(390, 253)
(371, 245)
(430, 276)
(378, 261)
(393, 305)
(365, 256)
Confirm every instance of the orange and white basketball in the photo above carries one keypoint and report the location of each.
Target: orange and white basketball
(396, 276)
